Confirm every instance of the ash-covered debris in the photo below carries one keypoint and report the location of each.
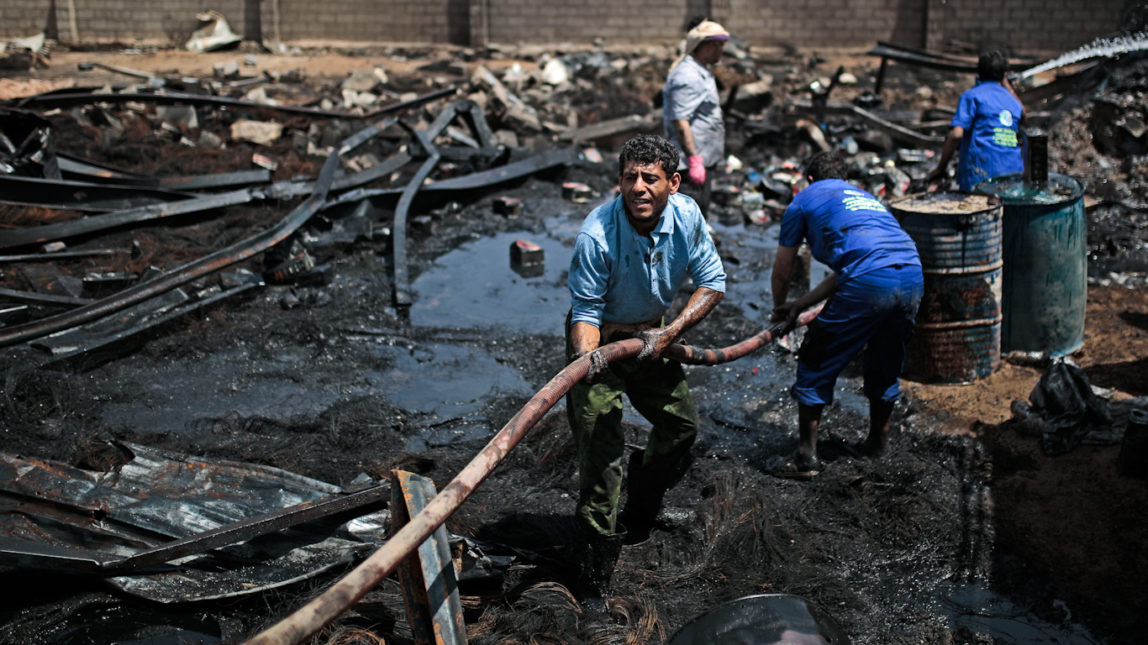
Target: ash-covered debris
(317, 371)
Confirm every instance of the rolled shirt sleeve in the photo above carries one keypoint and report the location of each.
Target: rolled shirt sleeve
(589, 280)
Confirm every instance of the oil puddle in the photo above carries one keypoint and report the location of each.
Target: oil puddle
(983, 612)
(171, 396)
(475, 286)
(747, 255)
(434, 382)
(749, 409)
(443, 381)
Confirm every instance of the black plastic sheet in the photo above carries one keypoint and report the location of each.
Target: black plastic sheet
(1063, 409)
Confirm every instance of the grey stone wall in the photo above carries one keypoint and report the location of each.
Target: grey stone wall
(1021, 25)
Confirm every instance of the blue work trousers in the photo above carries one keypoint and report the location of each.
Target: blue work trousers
(874, 312)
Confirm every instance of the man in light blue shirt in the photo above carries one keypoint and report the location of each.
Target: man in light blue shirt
(630, 258)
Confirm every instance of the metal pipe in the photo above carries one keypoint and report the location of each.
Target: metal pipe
(309, 618)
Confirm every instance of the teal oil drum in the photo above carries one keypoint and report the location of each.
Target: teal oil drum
(957, 337)
(1045, 263)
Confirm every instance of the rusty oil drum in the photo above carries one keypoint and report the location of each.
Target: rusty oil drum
(957, 337)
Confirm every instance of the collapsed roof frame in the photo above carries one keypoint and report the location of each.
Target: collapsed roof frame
(317, 190)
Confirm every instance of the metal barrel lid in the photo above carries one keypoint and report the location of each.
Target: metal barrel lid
(1016, 190)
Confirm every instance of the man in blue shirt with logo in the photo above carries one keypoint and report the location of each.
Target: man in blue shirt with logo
(874, 291)
(630, 258)
(986, 128)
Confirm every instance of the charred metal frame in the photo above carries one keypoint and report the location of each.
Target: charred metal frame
(50, 100)
(93, 340)
(45, 556)
(317, 201)
(91, 171)
(402, 294)
(197, 204)
(52, 256)
(473, 181)
(430, 589)
(30, 297)
(900, 53)
(81, 195)
(208, 264)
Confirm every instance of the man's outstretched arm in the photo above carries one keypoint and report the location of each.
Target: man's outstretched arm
(657, 340)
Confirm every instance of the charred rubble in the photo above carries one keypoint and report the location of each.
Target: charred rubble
(163, 235)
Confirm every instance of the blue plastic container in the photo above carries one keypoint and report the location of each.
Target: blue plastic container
(1045, 288)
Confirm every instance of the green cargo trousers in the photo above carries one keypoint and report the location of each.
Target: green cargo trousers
(658, 390)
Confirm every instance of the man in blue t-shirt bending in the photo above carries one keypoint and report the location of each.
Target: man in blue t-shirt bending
(874, 291)
(986, 127)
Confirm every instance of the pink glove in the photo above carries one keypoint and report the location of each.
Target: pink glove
(697, 171)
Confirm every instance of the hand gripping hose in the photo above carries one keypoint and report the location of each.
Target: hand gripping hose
(311, 617)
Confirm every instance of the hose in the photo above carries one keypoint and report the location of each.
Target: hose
(311, 617)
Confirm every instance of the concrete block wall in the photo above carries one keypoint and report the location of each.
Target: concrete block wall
(583, 22)
(1021, 25)
(373, 21)
(829, 23)
(171, 21)
(1033, 25)
(116, 20)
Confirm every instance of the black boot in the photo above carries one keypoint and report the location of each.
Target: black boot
(643, 500)
(646, 487)
(596, 568)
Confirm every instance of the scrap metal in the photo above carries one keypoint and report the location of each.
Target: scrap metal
(77, 167)
(921, 58)
(182, 275)
(198, 204)
(402, 294)
(86, 225)
(898, 132)
(430, 589)
(80, 195)
(125, 520)
(121, 325)
(61, 99)
(42, 298)
(52, 256)
(482, 179)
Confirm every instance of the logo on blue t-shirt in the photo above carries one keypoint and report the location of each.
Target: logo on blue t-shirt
(857, 200)
(1006, 118)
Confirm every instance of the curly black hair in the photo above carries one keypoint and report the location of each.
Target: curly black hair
(826, 165)
(647, 149)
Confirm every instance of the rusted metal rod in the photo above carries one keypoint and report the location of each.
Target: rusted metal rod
(311, 617)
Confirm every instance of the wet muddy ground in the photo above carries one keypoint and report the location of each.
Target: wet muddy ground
(964, 533)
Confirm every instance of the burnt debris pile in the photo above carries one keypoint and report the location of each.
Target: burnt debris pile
(231, 307)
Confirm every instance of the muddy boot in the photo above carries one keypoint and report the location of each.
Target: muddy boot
(596, 568)
(646, 487)
(643, 500)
